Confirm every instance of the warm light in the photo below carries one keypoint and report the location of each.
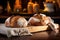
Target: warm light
(49, 0)
(17, 5)
(8, 7)
(58, 2)
(30, 7)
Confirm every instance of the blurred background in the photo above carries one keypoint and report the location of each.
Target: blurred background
(19, 7)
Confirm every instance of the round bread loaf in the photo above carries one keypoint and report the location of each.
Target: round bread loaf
(16, 22)
(37, 20)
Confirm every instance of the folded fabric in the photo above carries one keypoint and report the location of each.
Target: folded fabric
(14, 31)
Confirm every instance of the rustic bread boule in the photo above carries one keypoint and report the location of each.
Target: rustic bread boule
(16, 22)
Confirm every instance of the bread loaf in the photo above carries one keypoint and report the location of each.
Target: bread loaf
(16, 22)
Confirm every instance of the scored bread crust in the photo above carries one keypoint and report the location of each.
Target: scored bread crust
(13, 21)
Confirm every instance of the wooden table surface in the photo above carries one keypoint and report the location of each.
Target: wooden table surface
(45, 35)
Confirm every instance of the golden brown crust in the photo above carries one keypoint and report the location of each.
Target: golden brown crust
(13, 21)
(33, 23)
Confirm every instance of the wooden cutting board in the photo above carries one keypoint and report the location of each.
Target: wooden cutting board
(37, 28)
(33, 28)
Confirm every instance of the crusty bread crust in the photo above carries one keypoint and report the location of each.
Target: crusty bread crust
(13, 21)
